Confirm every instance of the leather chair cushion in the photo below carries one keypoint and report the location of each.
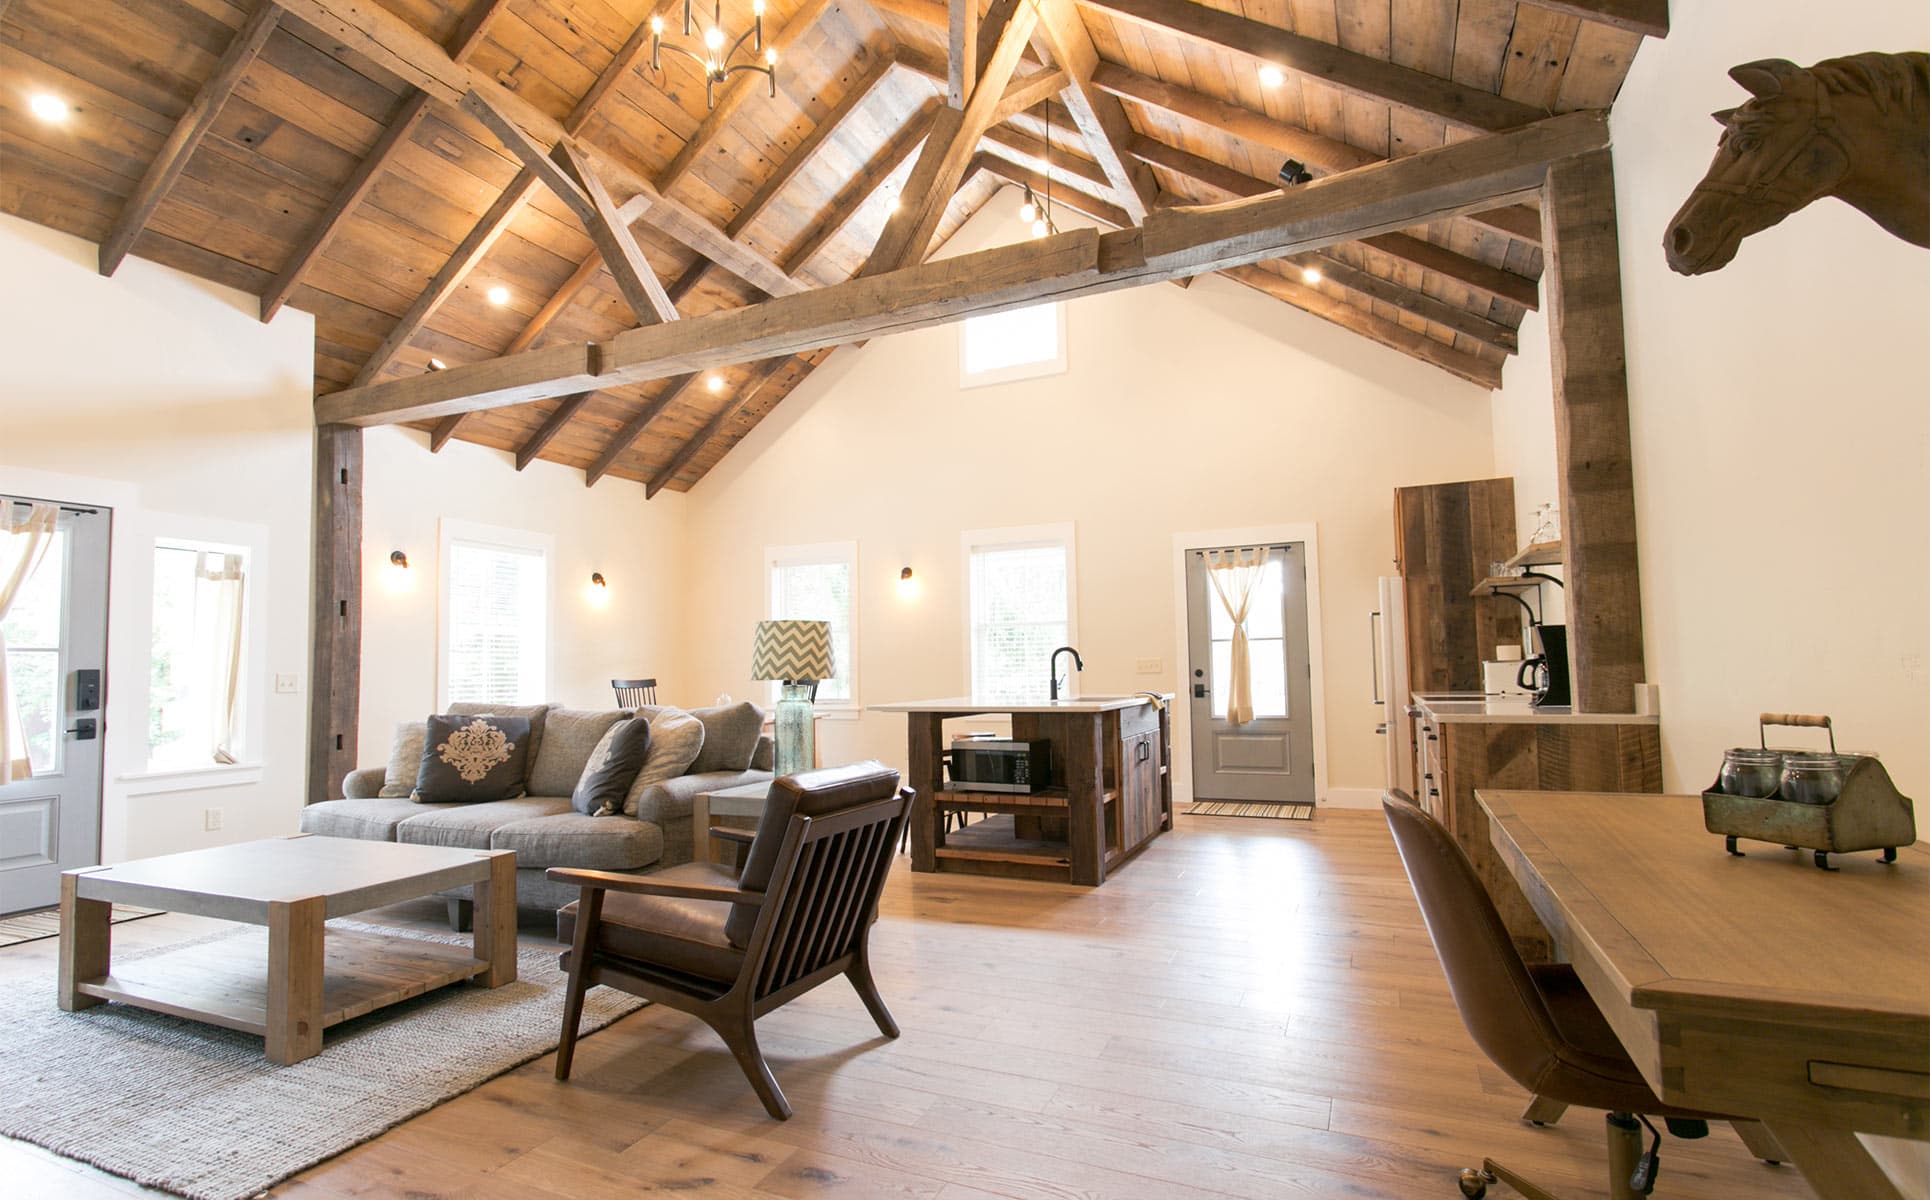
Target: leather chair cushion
(810, 793)
(684, 935)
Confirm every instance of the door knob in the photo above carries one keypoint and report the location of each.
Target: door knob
(1199, 691)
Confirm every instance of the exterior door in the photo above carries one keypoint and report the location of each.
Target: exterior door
(1270, 758)
(56, 636)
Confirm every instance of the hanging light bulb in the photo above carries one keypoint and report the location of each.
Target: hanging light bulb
(1040, 228)
(1028, 212)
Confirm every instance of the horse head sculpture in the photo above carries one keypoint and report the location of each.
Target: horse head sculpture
(1856, 128)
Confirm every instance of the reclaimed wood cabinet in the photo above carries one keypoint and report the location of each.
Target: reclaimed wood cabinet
(1446, 537)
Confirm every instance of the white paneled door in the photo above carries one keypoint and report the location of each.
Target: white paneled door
(1269, 758)
(56, 660)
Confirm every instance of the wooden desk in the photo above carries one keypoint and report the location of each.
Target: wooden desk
(1756, 986)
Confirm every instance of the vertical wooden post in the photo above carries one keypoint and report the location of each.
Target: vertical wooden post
(1085, 775)
(1583, 285)
(335, 659)
(925, 743)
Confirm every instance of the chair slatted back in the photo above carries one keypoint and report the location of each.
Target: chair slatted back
(634, 693)
(830, 872)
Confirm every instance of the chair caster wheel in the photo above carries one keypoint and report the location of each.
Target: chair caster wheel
(1474, 1184)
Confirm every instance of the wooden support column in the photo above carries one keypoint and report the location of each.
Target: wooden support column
(1593, 460)
(335, 659)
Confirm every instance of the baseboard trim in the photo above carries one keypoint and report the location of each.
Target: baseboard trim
(1352, 797)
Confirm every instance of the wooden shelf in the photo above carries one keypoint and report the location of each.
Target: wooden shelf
(1508, 583)
(1055, 800)
(1541, 554)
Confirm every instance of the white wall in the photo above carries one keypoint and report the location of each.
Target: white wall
(164, 397)
(638, 547)
(1208, 408)
(1781, 431)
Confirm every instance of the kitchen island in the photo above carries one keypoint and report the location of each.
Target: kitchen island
(1107, 797)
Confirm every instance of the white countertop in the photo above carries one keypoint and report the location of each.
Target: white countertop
(963, 705)
(1494, 710)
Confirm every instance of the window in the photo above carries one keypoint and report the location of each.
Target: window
(1022, 343)
(1266, 641)
(495, 615)
(815, 583)
(32, 633)
(195, 684)
(1020, 597)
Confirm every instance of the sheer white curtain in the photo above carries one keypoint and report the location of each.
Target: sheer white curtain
(218, 587)
(1233, 574)
(23, 540)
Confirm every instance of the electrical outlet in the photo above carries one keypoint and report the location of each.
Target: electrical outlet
(1149, 666)
(211, 820)
(288, 685)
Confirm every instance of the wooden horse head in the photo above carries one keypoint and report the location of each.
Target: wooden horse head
(1856, 128)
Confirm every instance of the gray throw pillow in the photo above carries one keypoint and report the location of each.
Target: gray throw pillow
(405, 759)
(612, 768)
(472, 759)
(570, 736)
(676, 738)
(730, 737)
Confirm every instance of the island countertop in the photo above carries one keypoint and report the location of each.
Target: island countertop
(976, 705)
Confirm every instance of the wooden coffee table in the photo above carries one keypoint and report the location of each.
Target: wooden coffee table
(286, 984)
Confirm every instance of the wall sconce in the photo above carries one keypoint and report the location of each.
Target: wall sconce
(396, 575)
(907, 586)
(597, 594)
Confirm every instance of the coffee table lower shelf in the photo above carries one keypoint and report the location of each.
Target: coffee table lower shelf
(225, 982)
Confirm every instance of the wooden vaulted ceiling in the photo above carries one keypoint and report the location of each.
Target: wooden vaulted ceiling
(282, 147)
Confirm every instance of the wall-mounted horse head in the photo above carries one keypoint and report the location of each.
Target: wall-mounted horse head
(1856, 128)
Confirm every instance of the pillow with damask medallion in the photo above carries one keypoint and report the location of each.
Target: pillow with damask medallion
(469, 759)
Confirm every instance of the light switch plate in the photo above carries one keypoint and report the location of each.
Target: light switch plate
(288, 685)
(1149, 666)
(210, 820)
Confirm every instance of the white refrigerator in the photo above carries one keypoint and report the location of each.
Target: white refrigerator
(1390, 687)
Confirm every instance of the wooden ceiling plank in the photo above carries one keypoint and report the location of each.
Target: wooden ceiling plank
(760, 375)
(881, 166)
(953, 140)
(1650, 18)
(798, 159)
(961, 57)
(1099, 210)
(1100, 117)
(1422, 305)
(475, 27)
(628, 435)
(1322, 62)
(180, 145)
(558, 301)
(552, 425)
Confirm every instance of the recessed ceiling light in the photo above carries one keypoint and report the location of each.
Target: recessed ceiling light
(1312, 275)
(715, 383)
(48, 107)
(1272, 76)
(498, 295)
(436, 364)
(891, 205)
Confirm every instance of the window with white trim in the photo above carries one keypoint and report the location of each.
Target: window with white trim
(1020, 596)
(196, 699)
(819, 583)
(1020, 343)
(495, 630)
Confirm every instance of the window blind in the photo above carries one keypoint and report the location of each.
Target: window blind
(498, 623)
(819, 591)
(1018, 618)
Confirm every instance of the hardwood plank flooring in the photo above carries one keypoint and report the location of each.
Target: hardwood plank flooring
(1249, 1009)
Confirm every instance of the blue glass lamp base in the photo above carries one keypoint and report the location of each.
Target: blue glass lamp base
(795, 729)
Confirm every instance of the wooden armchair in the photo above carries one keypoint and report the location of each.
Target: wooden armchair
(728, 947)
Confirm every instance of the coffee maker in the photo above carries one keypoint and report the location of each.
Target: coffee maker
(1545, 676)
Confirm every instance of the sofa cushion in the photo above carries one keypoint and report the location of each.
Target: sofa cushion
(371, 820)
(570, 736)
(730, 737)
(612, 767)
(685, 935)
(405, 759)
(574, 840)
(468, 826)
(473, 759)
(534, 712)
(676, 738)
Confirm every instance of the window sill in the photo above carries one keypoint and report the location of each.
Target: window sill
(189, 779)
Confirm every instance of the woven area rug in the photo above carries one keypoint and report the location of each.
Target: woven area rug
(1231, 808)
(197, 1110)
(32, 926)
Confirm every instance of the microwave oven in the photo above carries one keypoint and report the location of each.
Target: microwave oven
(985, 765)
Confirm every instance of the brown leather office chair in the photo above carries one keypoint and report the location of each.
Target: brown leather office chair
(729, 946)
(1537, 1023)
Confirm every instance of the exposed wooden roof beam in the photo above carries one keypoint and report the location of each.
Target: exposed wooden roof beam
(475, 26)
(1028, 151)
(1099, 210)
(1650, 18)
(961, 58)
(1440, 312)
(852, 197)
(180, 145)
(1101, 120)
(558, 301)
(760, 375)
(1022, 94)
(1461, 106)
(1323, 156)
(633, 429)
(1433, 185)
(444, 430)
(551, 426)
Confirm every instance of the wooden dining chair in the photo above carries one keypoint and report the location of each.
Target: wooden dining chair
(729, 946)
(634, 693)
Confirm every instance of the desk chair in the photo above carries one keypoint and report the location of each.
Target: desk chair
(729, 946)
(634, 693)
(1537, 1023)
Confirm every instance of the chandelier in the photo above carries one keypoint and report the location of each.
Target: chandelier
(715, 59)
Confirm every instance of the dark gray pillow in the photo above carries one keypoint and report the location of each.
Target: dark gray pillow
(613, 766)
(730, 737)
(471, 759)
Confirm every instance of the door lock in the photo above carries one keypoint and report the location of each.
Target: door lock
(85, 729)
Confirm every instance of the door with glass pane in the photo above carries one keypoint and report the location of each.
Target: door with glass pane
(1270, 758)
(56, 659)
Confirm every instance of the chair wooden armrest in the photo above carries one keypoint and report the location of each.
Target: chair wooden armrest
(742, 837)
(612, 881)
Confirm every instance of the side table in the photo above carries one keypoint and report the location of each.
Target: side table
(744, 800)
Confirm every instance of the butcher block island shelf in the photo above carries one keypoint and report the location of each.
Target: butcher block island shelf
(1110, 794)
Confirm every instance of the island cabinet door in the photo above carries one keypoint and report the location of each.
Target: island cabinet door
(1139, 806)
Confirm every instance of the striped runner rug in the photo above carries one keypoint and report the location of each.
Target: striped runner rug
(1233, 808)
(45, 923)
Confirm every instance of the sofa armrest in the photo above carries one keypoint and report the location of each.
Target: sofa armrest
(764, 758)
(667, 805)
(363, 784)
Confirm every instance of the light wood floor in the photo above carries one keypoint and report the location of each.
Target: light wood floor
(1251, 1009)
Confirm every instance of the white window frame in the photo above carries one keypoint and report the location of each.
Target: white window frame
(1031, 370)
(451, 531)
(1018, 537)
(814, 554)
(249, 719)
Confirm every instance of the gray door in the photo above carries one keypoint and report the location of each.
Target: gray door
(1270, 758)
(56, 630)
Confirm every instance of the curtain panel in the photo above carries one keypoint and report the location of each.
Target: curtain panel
(24, 537)
(1233, 574)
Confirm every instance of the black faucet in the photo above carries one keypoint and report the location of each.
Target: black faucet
(1078, 664)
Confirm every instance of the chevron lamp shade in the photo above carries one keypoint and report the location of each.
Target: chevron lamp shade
(792, 650)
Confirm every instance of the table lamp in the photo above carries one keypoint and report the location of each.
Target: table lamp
(798, 654)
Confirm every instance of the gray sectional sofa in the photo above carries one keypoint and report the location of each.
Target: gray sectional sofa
(541, 827)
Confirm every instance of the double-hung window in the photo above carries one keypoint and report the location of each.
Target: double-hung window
(495, 628)
(1020, 343)
(196, 684)
(819, 583)
(1021, 600)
